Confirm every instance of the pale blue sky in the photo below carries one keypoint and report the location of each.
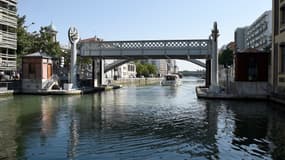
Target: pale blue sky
(144, 19)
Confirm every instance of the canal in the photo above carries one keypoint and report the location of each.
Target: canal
(140, 122)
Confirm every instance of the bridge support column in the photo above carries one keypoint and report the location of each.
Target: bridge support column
(214, 87)
(208, 73)
(94, 80)
(101, 78)
(98, 76)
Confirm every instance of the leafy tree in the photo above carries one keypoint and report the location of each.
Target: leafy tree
(226, 57)
(152, 69)
(145, 69)
(139, 68)
(37, 41)
(24, 39)
(46, 43)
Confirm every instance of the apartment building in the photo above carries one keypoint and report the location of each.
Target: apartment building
(240, 38)
(258, 35)
(8, 35)
(278, 47)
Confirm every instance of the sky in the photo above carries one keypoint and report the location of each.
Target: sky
(143, 19)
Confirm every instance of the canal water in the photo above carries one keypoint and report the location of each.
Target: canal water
(140, 122)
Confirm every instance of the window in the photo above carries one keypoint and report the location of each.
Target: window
(131, 67)
(276, 17)
(282, 13)
(282, 48)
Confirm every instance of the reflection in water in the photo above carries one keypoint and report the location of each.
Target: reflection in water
(243, 129)
(146, 122)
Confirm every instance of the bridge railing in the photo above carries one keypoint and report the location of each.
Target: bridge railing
(156, 49)
(153, 44)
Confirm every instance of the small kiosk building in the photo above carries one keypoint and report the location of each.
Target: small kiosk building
(36, 72)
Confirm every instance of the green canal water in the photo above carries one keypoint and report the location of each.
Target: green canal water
(140, 122)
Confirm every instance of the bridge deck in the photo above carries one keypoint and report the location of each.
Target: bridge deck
(154, 49)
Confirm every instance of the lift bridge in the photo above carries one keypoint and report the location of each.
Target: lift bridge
(155, 49)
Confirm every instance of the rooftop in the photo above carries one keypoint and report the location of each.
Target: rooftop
(38, 54)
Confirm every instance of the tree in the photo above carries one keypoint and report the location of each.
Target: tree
(36, 41)
(152, 69)
(139, 68)
(46, 43)
(24, 39)
(226, 57)
(145, 69)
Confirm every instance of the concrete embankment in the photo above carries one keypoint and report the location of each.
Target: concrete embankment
(137, 81)
(115, 85)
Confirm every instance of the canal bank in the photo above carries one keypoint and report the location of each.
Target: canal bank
(12, 90)
(72, 91)
(115, 84)
(203, 93)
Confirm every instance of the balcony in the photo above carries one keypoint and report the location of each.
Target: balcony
(8, 56)
(8, 20)
(8, 40)
(8, 65)
(13, 1)
(6, 10)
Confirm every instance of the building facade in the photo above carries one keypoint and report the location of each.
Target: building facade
(278, 47)
(164, 66)
(240, 38)
(36, 72)
(258, 35)
(127, 70)
(8, 35)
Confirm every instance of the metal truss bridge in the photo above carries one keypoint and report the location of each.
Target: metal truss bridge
(148, 49)
(155, 49)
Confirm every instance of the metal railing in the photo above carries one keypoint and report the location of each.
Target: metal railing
(49, 83)
(153, 44)
(147, 48)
